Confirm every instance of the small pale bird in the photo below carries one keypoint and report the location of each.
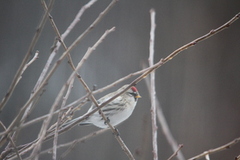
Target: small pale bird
(116, 111)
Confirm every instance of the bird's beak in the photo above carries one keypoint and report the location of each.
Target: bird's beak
(138, 96)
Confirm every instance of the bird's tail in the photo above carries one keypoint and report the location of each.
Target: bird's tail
(84, 122)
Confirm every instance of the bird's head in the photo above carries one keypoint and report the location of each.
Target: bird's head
(134, 92)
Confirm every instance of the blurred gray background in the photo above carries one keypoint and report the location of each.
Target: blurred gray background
(199, 90)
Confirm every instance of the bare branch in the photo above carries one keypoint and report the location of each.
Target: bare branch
(163, 124)
(46, 135)
(148, 70)
(202, 38)
(35, 57)
(77, 18)
(152, 85)
(26, 58)
(176, 152)
(72, 144)
(12, 142)
(60, 117)
(114, 130)
(218, 149)
(47, 121)
(50, 73)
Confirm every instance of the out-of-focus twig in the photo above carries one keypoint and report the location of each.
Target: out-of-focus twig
(237, 158)
(60, 116)
(152, 84)
(163, 124)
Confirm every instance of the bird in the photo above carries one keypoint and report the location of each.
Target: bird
(116, 111)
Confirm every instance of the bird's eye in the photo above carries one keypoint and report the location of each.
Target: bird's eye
(132, 94)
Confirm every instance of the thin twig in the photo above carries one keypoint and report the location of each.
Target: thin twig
(50, 73)
(26, 58)
(35, 57)
(177, 51)
(43, 130)
(57, 46)
(113, 129)
(69, 57)
(163, 124)
(120, 80)
(59, 120)
(19, 73)
(152, 85)
(63, 36)
(12, 142)
(172, 55)
(237, 158)
(218, 149)
(162, 61)
(122, 144)
(82, 100)
(72, 144)
(59, 36)
(202, 38)
(150, 69)
(176, 152)
(166, 131)
(77, 18)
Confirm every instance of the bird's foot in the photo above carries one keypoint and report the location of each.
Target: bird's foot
(107, 121)
(116, 132)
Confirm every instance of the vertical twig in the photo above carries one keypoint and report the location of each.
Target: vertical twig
(152, 85)
(166, 131)
(163, 124)
(59, 120)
